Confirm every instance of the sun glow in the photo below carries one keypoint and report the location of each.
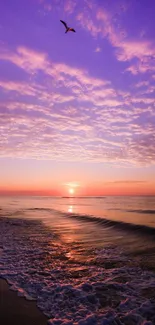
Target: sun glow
(71, 191)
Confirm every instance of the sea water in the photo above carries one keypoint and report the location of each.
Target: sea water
(84, 260)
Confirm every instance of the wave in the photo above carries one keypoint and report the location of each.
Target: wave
(133, 210)
(121, 225)
(102, 221)
(142, 229)
(106, 222)
(142, 211)
(40, 209)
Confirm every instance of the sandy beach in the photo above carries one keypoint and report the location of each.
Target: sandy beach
(18, 310)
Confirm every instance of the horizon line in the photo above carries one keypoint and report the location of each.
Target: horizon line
(72, 197)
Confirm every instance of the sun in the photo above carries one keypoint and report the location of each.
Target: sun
(71, 191)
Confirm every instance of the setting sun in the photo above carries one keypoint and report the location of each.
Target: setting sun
(71, 191)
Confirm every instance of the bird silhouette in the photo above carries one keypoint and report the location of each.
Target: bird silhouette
(68, 29)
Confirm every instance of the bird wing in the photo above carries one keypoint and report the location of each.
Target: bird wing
(72, 30)
(63, 22)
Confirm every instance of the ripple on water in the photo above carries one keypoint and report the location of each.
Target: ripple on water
(105, 288)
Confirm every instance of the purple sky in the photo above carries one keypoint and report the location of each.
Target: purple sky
(77, 107)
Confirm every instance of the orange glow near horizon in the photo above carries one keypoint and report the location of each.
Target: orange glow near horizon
(90, 189)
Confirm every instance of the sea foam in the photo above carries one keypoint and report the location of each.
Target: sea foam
(107, 288)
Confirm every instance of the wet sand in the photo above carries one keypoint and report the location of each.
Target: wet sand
(17, 310)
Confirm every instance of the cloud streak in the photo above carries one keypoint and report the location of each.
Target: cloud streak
(126, 48)
(91, 110)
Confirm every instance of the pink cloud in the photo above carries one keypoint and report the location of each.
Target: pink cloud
(107, 28)
(135, 49)
(142, 84)
(144, 100)
(21, 88)
(87, 23)
(143, 66)
(112, 134)
(48, 7)
(69, 6)
(98, 49)
(41, 138)
(32, 61)
(26, 59)
(36, 91)
(125, 49)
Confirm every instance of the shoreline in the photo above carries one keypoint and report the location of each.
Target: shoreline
(17, 310)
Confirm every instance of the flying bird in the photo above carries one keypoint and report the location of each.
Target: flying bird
(68, 29)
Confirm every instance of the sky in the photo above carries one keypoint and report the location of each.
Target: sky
(77, 110)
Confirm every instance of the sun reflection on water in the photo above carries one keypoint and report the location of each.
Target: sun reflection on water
(70, 209)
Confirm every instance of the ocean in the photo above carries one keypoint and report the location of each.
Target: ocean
(84, 260)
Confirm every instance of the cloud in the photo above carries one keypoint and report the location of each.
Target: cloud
(135, 49)
(72, 115)
(102, 25)
(142, 84)
(98, 49)
(146, 66)
(88, 24)
(107, 27)
(144, 100)
(43, 133)
(101, 22)
(71, 184)
(23, 89)
(127, 49)
(32, 61)
(127, 182)
(69, 6)
(26, 59)
(80, 84)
